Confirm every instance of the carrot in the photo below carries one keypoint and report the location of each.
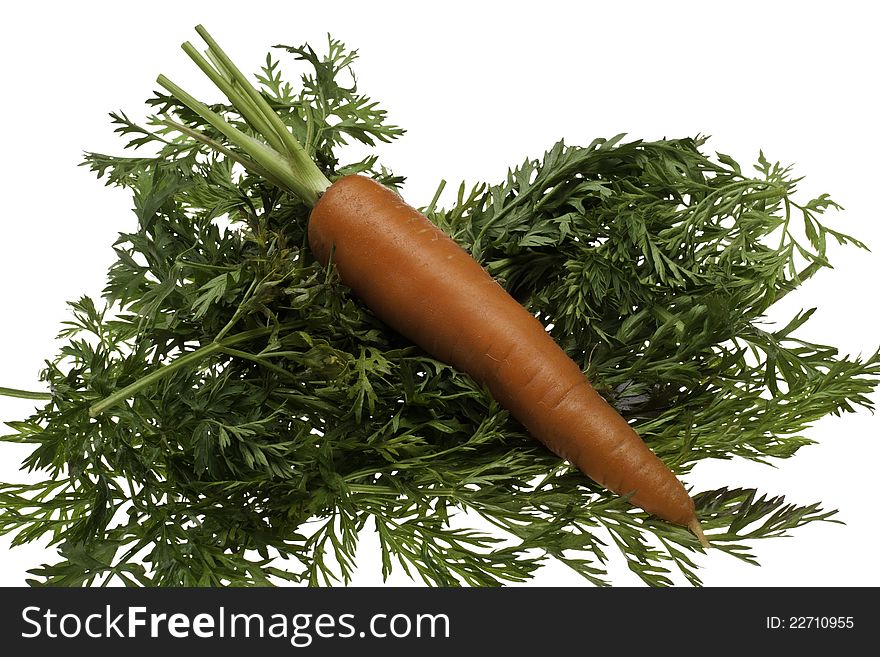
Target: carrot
(426, 287)
(431, 291)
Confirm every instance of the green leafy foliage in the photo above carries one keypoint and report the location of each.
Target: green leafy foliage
(276, 417)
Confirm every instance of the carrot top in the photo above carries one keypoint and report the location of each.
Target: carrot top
(230, 411)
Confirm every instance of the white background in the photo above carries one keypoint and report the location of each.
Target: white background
(479, 86)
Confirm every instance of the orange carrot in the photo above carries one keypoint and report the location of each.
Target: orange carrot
(430, 290)
(426, 287)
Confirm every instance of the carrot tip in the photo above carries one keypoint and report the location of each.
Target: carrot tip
(697, 529)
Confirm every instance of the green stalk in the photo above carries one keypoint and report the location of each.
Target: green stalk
(248, 164)
(282, 155)
(151, 378)
(264, 156)
(24, 394)
(294, 149)
(258, 360)
(374, 489)
(241, 102)
(166, 370)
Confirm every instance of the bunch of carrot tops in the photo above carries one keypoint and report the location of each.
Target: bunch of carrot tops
(305, 420)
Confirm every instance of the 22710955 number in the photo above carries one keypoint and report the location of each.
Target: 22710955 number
(810, 622)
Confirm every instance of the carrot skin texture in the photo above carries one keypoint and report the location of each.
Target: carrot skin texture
(430, 290)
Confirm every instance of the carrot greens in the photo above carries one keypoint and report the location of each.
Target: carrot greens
(227, 413)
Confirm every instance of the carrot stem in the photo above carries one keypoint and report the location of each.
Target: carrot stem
(264, 155)
(248, 109)
(24, 394)
(247, 163)
(165, 370)
(251, 97)
(154, 376)
(299, 158)
(281, 153)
